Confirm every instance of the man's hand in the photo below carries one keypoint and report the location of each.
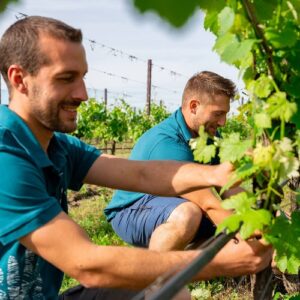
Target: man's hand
(222, 174)
(244, 257)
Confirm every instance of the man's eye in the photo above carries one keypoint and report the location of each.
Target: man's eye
(218, 114)
(66, 79)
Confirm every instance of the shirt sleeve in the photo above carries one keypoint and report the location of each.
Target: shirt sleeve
(24, 202)
(81, 158)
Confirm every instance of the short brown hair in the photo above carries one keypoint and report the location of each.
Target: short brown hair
(209, 83)
(20, 43)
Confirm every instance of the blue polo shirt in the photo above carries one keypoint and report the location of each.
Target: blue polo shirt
(169, 140)
(33, 190)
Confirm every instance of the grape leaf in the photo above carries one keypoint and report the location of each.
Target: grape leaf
(264, 9)
(211, 21)
(236, 51)
(250, 219)
(285, 160)
(172, 11)
(285, 36)
(289, 166)
(279, 108)
(202, 152)
(230, 224)
(212, 5)
(232, 148)
(263, 86)
(284, 235)
(205, 154)
(262, 120)
(243, 172)
(254, 220)
(239, 202)
(263, 155)
(225, 20)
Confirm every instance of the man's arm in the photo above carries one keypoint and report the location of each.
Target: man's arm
(209, 203)
(64, 244)
(165, 178)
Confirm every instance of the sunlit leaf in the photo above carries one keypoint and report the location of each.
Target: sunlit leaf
(262, 120)
(174, 12)
(233, 148)
(225, 20)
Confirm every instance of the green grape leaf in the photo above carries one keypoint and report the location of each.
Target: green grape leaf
(241, 173)
(202, 152)
(281, 262)
(239, 202)
(284, 235)
(285, 145)
(286, 162)
(254, 220)
(225, 20)
(249, 218)
(279, 108)
(263, 86)
(211, 21)
(296, 118)
(236, 51)
(297, 142)
(223, 41)
(212, 5)
(205, 154)
(232, 148)
(285, 36)
(173, 11)
(264, 9)
(230, 224)
(263, 155)
(292, 87)
(289, 166)
(262, 120)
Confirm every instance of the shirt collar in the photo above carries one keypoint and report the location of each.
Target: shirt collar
(187, 135)
(25, 138)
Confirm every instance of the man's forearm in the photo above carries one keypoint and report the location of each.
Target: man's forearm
(137, 268)
(165, 178)
(210, 203)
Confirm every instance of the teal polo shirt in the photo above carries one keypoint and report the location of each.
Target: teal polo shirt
(33, 189)
(169, 140)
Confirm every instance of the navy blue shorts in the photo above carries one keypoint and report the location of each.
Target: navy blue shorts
(135, 223)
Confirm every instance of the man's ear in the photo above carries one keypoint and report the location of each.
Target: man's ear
(16, 76)
(193, 105)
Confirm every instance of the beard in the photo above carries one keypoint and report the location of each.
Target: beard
(48, 111)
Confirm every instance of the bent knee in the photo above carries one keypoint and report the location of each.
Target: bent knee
(187, 215)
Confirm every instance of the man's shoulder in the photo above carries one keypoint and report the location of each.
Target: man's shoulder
(166, 128)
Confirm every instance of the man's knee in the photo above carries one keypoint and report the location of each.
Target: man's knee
(187, 216)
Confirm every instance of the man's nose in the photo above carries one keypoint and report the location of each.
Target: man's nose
(80, 92)
(222, 121)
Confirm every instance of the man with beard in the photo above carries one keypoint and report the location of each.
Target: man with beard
(171, 223)
(43, 63)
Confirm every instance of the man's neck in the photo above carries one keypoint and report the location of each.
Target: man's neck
(188, 123)
(42, 134)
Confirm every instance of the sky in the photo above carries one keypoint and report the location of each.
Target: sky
(119, 41)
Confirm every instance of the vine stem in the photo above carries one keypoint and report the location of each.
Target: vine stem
(259, 33)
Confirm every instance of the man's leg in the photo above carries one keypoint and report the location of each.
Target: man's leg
(178, 230)
(79, 292)
(161, 223)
